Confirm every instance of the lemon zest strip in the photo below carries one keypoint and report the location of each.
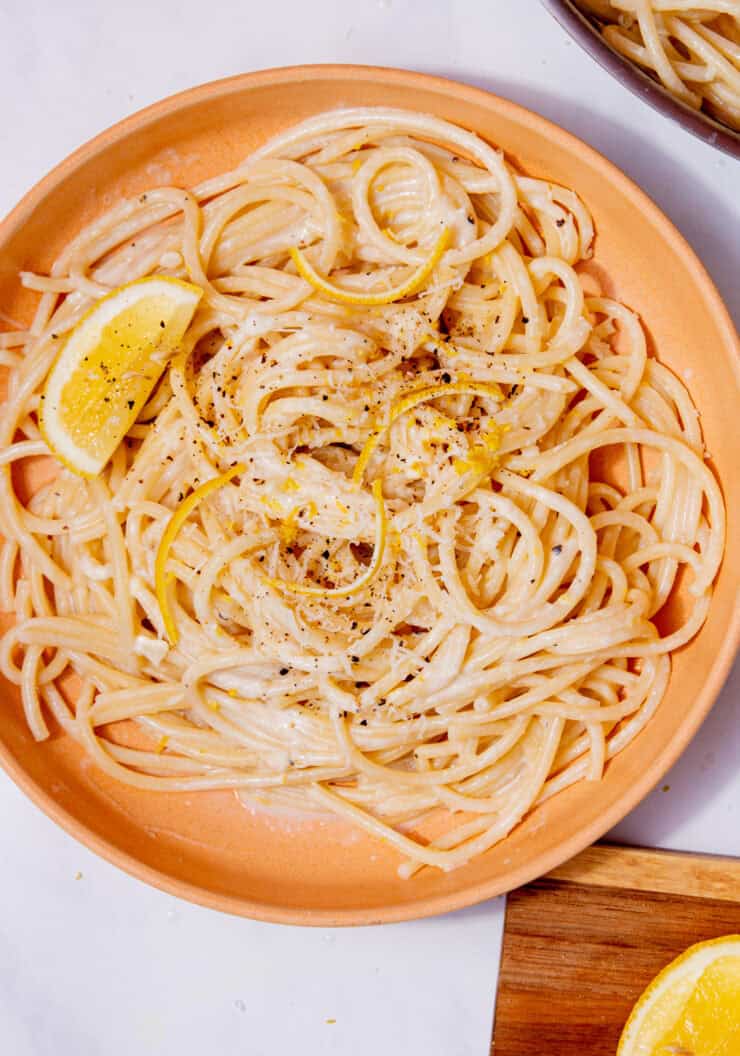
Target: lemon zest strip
(175, 523)
(483, 456)
(288, 529)
(343, 296)
(413, 399)
(381, 531)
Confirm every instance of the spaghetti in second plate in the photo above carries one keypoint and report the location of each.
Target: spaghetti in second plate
(357, 553)
(692, 49)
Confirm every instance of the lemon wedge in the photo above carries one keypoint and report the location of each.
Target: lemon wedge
(108, 366)
(692, 1007)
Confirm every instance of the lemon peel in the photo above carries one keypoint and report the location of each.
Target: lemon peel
(381, 532)
(344, 296)
(288, 529)
(482, 457)
(180, 514)
(413, 399)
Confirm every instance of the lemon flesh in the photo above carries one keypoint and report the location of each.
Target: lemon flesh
(692, 1008)
(108, 367)
(709, 1024)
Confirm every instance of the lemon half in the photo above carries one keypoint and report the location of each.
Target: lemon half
(108, 366)
(692, 1008)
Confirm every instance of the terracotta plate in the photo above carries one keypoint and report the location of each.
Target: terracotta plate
(207, 847)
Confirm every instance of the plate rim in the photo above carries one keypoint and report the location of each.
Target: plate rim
(480, 891)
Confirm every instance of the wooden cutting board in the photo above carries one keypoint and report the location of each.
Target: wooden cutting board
(581, 944)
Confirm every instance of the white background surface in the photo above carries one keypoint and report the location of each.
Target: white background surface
(100, 963)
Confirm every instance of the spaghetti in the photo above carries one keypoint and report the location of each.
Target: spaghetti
(692, 49)
(355, 554)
